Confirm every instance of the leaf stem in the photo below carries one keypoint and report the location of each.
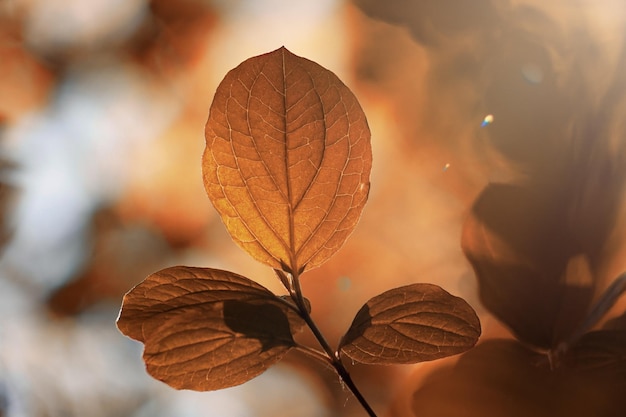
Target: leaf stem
(331, 356)
(316, 354)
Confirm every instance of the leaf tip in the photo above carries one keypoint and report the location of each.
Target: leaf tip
(283, 50)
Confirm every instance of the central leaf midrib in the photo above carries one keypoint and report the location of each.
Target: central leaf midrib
(291, 229)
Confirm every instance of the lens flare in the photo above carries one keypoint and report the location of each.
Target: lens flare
(487, 120)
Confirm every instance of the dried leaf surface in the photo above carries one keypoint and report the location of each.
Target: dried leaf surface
(207, 329)
(287, 160)
(410, 324)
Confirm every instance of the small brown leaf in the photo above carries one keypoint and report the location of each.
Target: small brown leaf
(410, 324)
(601, 352)
(287, 159)
(207, 329)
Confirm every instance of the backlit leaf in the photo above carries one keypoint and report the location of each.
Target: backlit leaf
(410, 324)
(287, 159)
(207, 329)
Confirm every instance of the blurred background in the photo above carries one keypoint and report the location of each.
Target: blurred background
(102, 112)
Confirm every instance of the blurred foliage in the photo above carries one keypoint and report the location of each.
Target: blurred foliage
(104, 127)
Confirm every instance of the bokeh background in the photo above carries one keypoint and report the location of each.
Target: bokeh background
(102, 112)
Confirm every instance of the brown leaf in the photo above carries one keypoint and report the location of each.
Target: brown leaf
(288, 159)
(504, 378)
(496, 378)
(410, 324)
(601, 352)
(207, 329)
(519, 244)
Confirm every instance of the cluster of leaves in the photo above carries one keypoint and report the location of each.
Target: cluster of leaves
(287, 167)
(547, 250)
(530, 273)
(537, 251)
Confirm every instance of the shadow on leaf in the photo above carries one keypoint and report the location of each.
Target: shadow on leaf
(265, 322)
(207, 329)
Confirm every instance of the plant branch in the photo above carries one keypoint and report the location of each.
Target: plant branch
(331, 356)
(283, 279)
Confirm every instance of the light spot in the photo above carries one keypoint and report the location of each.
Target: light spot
(344, 283)
(445, 167)
(487, 120)
(532, 73)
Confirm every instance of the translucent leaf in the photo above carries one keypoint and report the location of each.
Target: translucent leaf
(287, 160)
(410, 324)
(207, 329)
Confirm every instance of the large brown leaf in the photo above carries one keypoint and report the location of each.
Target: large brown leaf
(602, 352)
(207, 329)
(414, 323)
(522, 250)
(287, 160)
(504, 378)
